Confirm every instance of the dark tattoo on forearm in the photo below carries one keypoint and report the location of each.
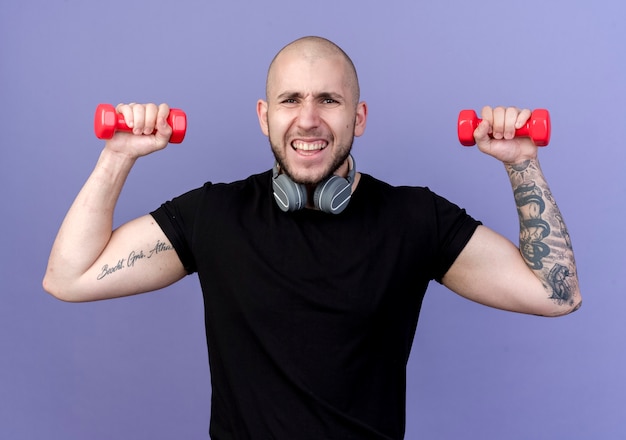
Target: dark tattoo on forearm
(544, 239)
(530, 207)
(133, 258)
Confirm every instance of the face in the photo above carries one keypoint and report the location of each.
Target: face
(310, 115)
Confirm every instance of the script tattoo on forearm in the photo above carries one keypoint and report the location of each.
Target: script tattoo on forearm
(544, 240)
(132, 259)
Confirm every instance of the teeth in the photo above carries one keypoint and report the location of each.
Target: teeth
(309, 146)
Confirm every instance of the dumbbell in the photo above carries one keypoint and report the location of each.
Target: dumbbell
(107, 121)
(537, 127)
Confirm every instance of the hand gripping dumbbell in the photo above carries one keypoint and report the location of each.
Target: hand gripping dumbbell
(107, 121)
(537, 127)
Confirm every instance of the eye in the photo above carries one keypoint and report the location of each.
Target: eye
(330, 101)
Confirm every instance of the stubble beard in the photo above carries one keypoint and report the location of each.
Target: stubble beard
(340, 155)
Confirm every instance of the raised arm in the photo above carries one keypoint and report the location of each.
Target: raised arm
(540, 276)
(89, 261)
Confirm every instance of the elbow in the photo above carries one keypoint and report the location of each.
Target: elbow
(566, 309)
(574, 307)
(52, 289)
(56, 289)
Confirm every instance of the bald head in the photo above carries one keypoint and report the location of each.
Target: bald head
(314, 49)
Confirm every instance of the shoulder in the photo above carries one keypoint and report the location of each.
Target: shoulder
(372, 185)
(418, 198)
(253, 183)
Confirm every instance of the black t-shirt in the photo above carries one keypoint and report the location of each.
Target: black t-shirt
(310, 317)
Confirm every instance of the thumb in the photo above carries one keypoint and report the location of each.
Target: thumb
(163, 130)
(482, 132)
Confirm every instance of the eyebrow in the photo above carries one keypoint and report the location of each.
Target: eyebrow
(322, 95)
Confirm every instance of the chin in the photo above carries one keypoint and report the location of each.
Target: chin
(306, 178)
(309, 176)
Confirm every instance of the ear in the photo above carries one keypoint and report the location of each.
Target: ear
(361, 118)
(261, 111)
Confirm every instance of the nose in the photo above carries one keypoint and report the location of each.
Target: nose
(308, 116)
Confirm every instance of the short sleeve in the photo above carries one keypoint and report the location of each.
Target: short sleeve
(455, 227)
(177, 218)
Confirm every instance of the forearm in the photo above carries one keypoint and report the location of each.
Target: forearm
(544, 240)
(87, 227)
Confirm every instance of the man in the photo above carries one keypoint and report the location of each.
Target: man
(313, 274)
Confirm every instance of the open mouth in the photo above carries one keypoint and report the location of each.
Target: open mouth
(308, 147)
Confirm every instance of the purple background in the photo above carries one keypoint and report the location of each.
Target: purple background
(137, 367)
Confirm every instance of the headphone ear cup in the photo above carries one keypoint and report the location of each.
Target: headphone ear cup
(333, 195)
(289, 195)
